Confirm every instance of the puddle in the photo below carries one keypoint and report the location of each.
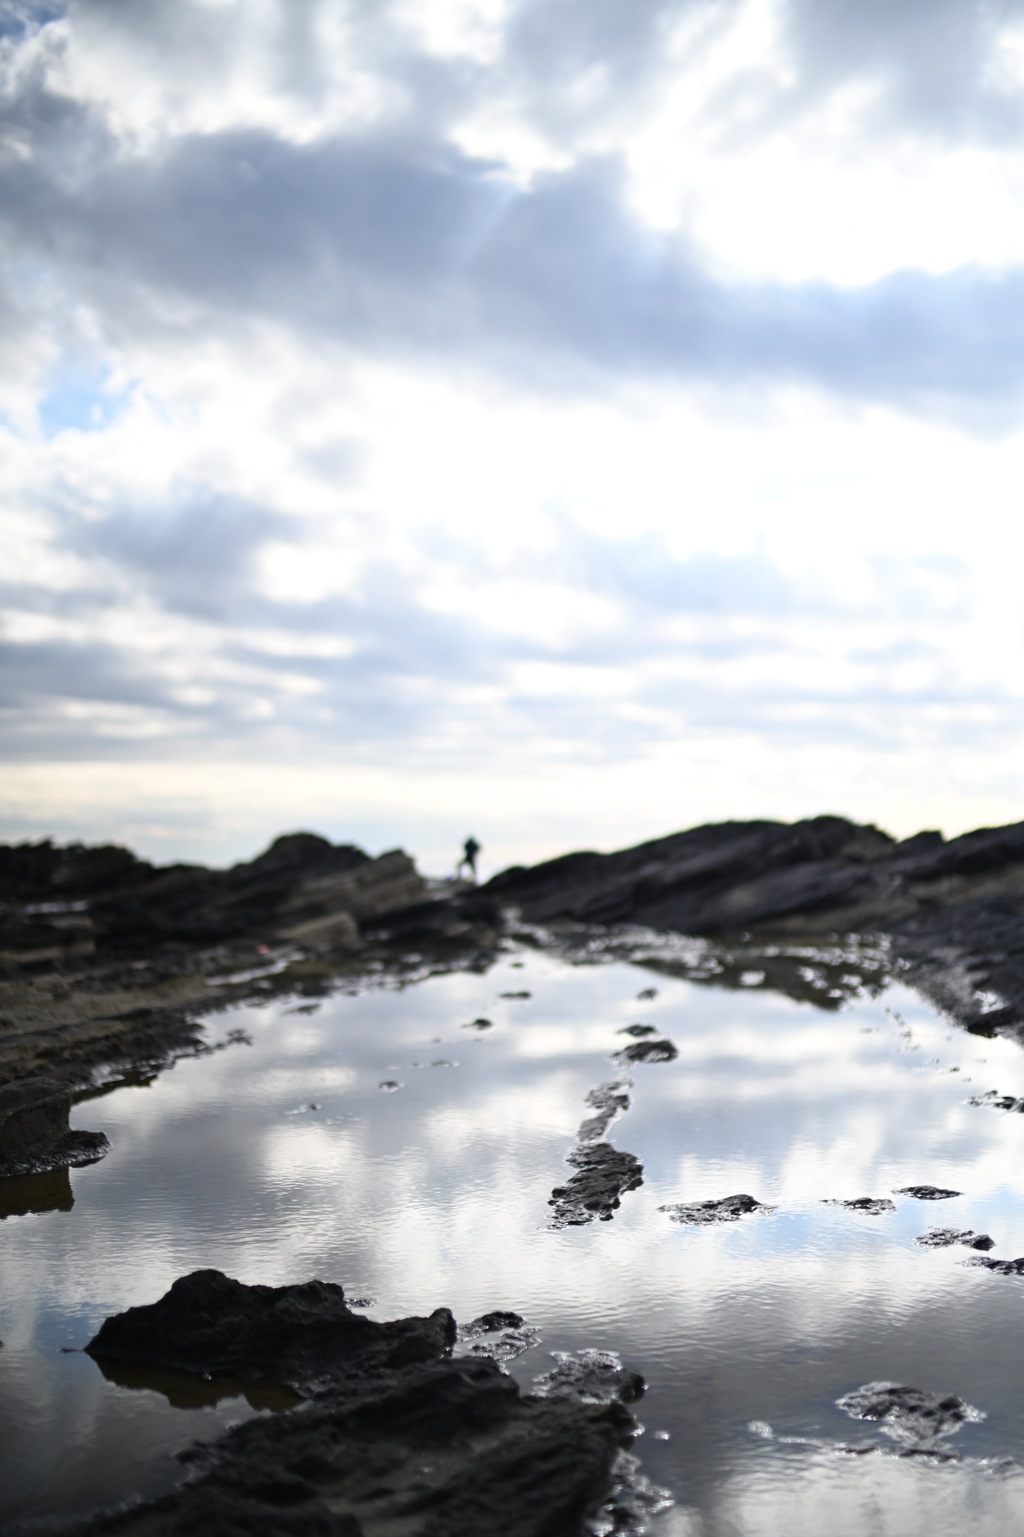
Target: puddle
(843, 1118)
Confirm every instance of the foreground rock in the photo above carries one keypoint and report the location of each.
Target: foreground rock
(301, 1336)
(400, 1438)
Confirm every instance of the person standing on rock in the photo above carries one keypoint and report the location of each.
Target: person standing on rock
(469, 852)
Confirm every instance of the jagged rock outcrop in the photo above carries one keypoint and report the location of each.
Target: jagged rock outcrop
(399, 1437)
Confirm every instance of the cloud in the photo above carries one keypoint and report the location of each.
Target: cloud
(478, 384)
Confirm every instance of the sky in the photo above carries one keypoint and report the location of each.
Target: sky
(564, 421)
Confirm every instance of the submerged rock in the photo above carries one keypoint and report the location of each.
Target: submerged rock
(1000, 1266)
(730, 1208)
(609, 1100)
(911, 1416)
(947, 1237)
(303, 1336)
(604, 1174)
(872, 1206)
(590, 1376)
(928, 1192)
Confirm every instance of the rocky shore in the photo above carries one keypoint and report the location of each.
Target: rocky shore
(110, 965)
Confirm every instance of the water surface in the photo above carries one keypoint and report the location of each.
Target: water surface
(281, 1157)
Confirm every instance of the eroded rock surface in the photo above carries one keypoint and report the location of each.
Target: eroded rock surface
(914, 1417)
(303, 1336)
(1000, 1266)
(948, 1237)
(647, 1051)
(603, 1175)
(928, 1192)
(399, 1438)
(870, 1205)
(446, 1449)
(729, 1208)
(591, 1376)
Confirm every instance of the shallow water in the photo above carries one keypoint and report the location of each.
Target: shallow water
(436, 1192)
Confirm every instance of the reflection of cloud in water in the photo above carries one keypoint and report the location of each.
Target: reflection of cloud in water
(439, 1195)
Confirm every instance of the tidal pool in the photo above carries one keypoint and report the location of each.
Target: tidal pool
(283, 1157)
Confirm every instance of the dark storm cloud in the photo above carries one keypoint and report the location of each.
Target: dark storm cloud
(404, 252)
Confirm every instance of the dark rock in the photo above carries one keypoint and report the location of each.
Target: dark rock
(1000, 1266)
(590, 1376)
(609, 1100)
(647, 1051)
(947, 1237)
(603, 1176)
(35, 1137)
(872, 1206)
(729, 1208)
(638, 1031)
(998, 1101)
(444, 1449)
(910, 1416)
(303, 1336)
(928, 1192)
(490, 1323)
(479, 1024)
(515, 995)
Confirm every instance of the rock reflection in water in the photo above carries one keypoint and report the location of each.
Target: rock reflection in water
(36, 1193)
(438, 1193)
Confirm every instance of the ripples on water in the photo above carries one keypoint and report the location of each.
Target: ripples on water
(406, 1143)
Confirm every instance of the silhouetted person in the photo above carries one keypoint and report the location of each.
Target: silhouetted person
(469, 852)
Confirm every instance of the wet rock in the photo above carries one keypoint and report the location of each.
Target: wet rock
(35, 1135)
(507, 1345)
(445, 1449)
(1000, 1266)
(603, 1175)
(912, 1416)
(998, 1101)
(948, 1237)
(479, 1024)
(647, 1051)
(302, 1336)
(872, 1206)
(729, 1208)
(590, 1376)
(928, 1192)
(489, 1323)
(609, 1100)
(638, 1031)
(511, 1335)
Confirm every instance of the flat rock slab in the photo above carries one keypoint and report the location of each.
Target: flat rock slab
(870, 1205)
(302, 1336)
(445, 1449)
(729, 1208)
(912, 1416)
(948, 1237)
(928, 1192)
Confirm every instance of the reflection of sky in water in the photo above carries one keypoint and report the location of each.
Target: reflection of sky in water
(437, 1194)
